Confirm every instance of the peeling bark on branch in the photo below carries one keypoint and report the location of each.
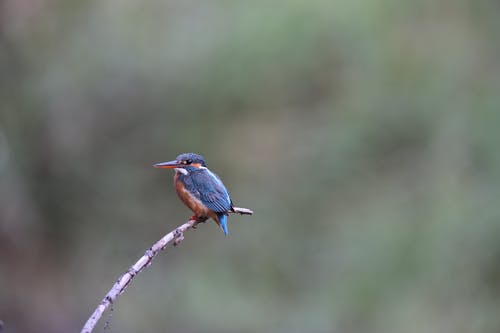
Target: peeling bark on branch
(176, 235)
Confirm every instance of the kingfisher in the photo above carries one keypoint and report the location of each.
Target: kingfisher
(200, 189)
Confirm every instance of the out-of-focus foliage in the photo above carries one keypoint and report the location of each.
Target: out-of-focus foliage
(364, 134)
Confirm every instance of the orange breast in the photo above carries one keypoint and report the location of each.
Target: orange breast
(198, 208)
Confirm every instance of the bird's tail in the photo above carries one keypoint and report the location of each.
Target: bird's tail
(223, 222)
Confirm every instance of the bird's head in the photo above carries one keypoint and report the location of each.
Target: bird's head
(184, 162)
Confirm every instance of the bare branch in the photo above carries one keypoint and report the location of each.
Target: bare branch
(177, 236)
(242, 211)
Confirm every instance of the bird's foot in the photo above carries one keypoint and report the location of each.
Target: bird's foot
(198, 219)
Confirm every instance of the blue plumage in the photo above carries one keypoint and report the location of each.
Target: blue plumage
(205, 186)
(200, 189)
(223, 222)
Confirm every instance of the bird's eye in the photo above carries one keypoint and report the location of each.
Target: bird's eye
(189, 161)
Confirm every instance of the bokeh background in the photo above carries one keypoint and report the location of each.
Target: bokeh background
(364, 134)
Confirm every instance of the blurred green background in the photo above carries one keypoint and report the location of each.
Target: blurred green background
(364, 134)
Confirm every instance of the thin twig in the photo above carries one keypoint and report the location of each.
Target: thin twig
(176, 235)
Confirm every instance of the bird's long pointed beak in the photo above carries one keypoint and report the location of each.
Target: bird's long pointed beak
(167, 165)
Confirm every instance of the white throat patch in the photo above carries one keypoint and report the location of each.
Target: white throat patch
(182, 170)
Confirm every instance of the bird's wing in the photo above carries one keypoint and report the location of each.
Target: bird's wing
(209, 189)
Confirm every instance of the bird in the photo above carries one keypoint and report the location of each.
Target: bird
(200, 189)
